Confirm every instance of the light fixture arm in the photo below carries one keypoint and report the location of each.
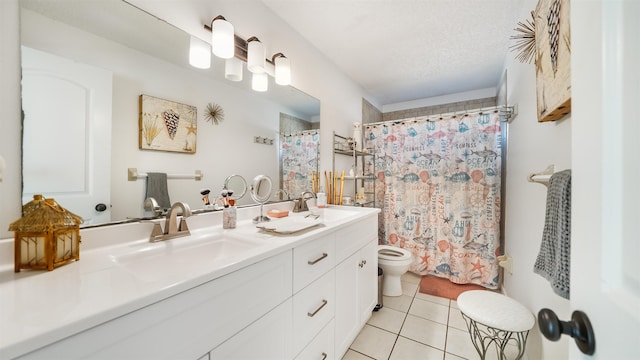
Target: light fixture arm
(276, 55)
(219, 17)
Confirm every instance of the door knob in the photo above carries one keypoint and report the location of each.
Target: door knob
(101, 207)
(579, 328)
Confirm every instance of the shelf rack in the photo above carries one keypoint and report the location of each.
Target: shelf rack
(344, 146)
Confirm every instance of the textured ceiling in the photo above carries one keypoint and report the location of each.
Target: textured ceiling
(401, 50)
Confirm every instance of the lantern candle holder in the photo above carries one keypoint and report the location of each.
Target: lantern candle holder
(47, 236)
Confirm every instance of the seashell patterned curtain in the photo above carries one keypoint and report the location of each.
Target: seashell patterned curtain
(439, 190)
(299, 155)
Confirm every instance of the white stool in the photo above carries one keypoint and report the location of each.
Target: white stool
(504, 320)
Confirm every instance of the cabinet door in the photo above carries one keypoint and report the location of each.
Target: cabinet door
(267, 338)
(347, 312)
(368, 281)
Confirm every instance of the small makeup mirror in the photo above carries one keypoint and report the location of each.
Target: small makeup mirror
(260, 193)
(237, 184)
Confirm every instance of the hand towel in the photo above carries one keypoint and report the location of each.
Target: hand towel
(553, 261)
(157, 189)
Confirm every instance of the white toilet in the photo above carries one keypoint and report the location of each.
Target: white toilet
(394, 262)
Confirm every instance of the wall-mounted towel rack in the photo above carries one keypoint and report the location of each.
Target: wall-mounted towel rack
(543, 176)
(133, 175)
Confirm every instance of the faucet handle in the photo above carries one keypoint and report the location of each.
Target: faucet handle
(183, 225)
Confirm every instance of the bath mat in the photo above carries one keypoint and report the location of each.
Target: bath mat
(442, 287)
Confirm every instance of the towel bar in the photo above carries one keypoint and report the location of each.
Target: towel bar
(543, 176)
(133, 175)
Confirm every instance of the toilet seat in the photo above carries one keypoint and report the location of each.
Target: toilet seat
(392, 253)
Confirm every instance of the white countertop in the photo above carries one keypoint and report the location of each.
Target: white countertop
(40, 307)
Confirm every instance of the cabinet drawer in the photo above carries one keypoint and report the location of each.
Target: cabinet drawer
(312, 260)
(313, 308)
(353, 237)
(321, 347)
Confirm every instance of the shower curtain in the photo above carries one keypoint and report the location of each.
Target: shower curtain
(298, 159)
(438, 184)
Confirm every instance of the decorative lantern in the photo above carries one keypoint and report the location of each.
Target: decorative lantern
(47, 235)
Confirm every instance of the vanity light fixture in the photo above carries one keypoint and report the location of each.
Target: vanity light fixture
(256, 53)
(259, 81)
(222, 37)
(233, 69)
(199, 53)
(282, 69)
(252, 51)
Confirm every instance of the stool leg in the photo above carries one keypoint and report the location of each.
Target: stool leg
(483, 337)
(477, 338)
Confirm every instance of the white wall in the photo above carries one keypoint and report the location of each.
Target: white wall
(532, 146)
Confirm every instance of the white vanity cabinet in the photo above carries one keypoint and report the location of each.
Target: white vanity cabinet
(189, 324)
(356, 281)
(306, 299)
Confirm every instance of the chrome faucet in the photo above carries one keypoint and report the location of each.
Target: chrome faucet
(171, 227)
(300, 204)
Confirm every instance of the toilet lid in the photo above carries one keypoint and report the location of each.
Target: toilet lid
(392, 253)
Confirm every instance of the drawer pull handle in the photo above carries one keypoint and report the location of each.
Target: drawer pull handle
(324, 302)
(313, 262)
(324, 355)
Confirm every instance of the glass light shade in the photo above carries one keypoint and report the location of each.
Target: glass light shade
(256, 56)
(283, 71)
(260, 82)
(222, 39)
(233, 69)
(199, 53)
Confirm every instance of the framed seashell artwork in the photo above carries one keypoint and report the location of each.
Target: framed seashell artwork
(553, 59)
(165, 125)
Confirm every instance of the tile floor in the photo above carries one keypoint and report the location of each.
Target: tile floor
(414, 326)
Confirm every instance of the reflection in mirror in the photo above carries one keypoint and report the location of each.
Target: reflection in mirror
(130, 47)
(299, 156)
(261, 192)
(237, 184)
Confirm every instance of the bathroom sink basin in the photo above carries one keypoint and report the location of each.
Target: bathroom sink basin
(176, 258)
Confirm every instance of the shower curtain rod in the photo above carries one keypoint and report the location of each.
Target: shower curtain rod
(303, 132)
(506, 113)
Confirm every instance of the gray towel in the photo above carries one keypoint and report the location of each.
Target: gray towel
(157, 189)
(553, 262)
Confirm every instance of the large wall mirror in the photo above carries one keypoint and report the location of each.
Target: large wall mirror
(125, 53)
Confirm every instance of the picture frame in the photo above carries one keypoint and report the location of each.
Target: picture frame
(553, 59)
(166, 125)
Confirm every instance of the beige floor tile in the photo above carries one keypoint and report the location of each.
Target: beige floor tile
(400, 303)
(456, 320)
(353, 355)
(374, 342)
(454, 304)
(430, 311)
(387, 319)
(409, 349)
(409, 288)
(459, 343)
(411, 277)
(424, 331)
(449, 356)
(435, 299)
